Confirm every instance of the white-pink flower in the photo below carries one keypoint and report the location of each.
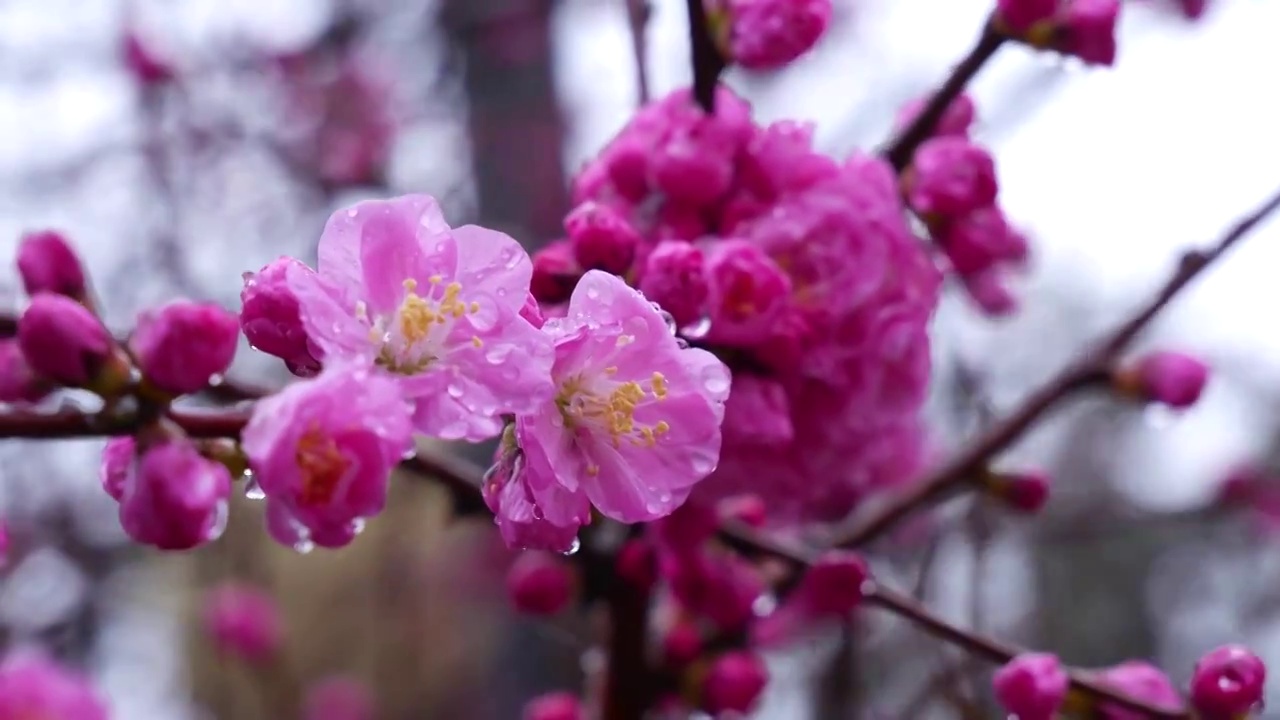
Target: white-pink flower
(439, 308)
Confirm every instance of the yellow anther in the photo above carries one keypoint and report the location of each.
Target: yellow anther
(475, 306)
(611, 370)
(624, 340)
(410, 285)
(435, 279)
(362, 310)
(475, 340)
(661, 427)
(593, 470)
(416, 318)
(659, 382)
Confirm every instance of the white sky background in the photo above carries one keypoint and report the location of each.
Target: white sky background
(1111, 170)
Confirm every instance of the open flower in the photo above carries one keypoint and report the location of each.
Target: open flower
(322, 450)
(439, 308)
(635, 420)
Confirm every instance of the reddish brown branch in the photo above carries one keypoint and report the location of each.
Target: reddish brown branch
(1090, 367)
(708, 63)
(638, 14)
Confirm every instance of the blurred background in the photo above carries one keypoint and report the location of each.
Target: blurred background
(227, 132)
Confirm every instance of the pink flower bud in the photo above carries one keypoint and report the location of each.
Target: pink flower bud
(747, 292)
(271, 320)
(673, 279)
(243, 621)
(833, 586)
(553, 706)
(338, 698)
(540, 583)
(685, 530)
(18, 382)
(767, 34)
(990, 293)
(34, 687)
(1032, 686)
(1228, 683)
(1026, 492)
(47, 263)
(601, 238)
(723, 589)
(62, 340)
(681, 644)
(1020, 15)
(1140, 681)
(555, 273)
(1088, 30)
(636, 563)
(116, 465)
(1170, 378)
(144, 66)
(951, 176)
(182, 345)
(734, 682)
(956, 119)
(175, 499)
(1193, 9)
(980, 240)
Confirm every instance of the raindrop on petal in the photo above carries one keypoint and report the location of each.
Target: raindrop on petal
(574, 547)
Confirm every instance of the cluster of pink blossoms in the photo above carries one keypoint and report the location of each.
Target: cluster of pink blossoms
(797, 270)
(1083, 28)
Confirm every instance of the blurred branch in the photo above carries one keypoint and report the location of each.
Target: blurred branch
(1087, 370)
(638, 14)
(708, 63)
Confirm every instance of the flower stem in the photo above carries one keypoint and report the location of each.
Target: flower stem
(1086, 371)
(900, 149)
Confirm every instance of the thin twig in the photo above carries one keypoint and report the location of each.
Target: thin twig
(638, 14)
(708, 63)
(1085, 371)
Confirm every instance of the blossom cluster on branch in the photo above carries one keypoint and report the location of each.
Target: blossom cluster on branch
(729, 344)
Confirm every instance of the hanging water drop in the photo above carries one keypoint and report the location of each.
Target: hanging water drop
(574, 547)
(454, 391)
(303, 546)
(698, 329)
(253, 491)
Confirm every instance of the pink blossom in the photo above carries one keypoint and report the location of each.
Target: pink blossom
(746, 292)
(34, 687)
(635, 421)
(681, 644)
(47, 263)
(831, 589)
(338, 698)
(758, 411)
(553, 706)
(1025, 492)
(1193, 9)
(116, 465)
(601, 238)
(1171, 378)
(143, 64)
(322, 449)
(172, 497)
(540, 583)
(346, 108)
(181, 346)
(767, 34)
(958, 117)
(990, 292)
(18, 382)
(1140, 681)
(1032, 686)
(980, 240)
(1020, 15)
(721, 588)
(62, 340)
(673, 278)
(555, 272)
(1228, 683)
(780, 158)
(636, 563)
(1088, 30)
(271, 317)
(950, 176)
(518, 515)
(438, 308)
(734, 683)
(243, 621)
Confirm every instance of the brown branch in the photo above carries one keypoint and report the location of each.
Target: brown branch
(1085, 371)
(708, 63)
(628, 682)
(900, 149)
(638, 14)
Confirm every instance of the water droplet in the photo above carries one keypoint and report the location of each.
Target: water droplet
(697, 330)
(302, 546)
(337, 327)
(410, 454)
(593, 293)
(351, 213)
(664, 498)
(764, 605)
(716, 382)
(557, 421)
(252, 491)
(219, 526)
(574, 547)
(502, 292)
(682, 343)
(216, 380)
(454, 391)
(357, 526)
(497, 354)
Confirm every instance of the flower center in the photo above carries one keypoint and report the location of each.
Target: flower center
(322, 464)
(412, 339)
(610, 407)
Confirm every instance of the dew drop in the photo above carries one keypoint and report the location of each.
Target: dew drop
(303, 546)
(716, 383)
(216, 380)
(593, 293)
(497, 354)
(253, 491)
(454, 391)
(682, 343)
(351, 213)
(409, 454)
(697, 330)
(222, 514)
(357, 526)
(574, 547)
(764, 605)
(502, 292)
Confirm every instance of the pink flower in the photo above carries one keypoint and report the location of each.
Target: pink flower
(143, 64)
(346, 109)
(780, 158)
(33, 687)
(518, 515)
(271, 318)
(47, 263)
(758, 411)
(173, 498)
(18, 382)
(1194, 9)
(951, 176)
(1140, 681)
(601, 238)
(719, 587)
(1020, 15)
(540, 583)
(553, 706)
(62, 340)
(637, 563)
(116, 465)
(673, 278)
(990, 293)
(681, 644)
(635, 420)
(243, 621)
(767, 34)
(734, 683)
(1032, 686)
(831, 589)
(956, 119)
(438, 308)
(1228, 683)
(1025, 492)
(1088, 30)
(980, 240)
(322, 449)
(1170, 378)
(555, 272)
(181, 346)
(746, 292)
(338, 698)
